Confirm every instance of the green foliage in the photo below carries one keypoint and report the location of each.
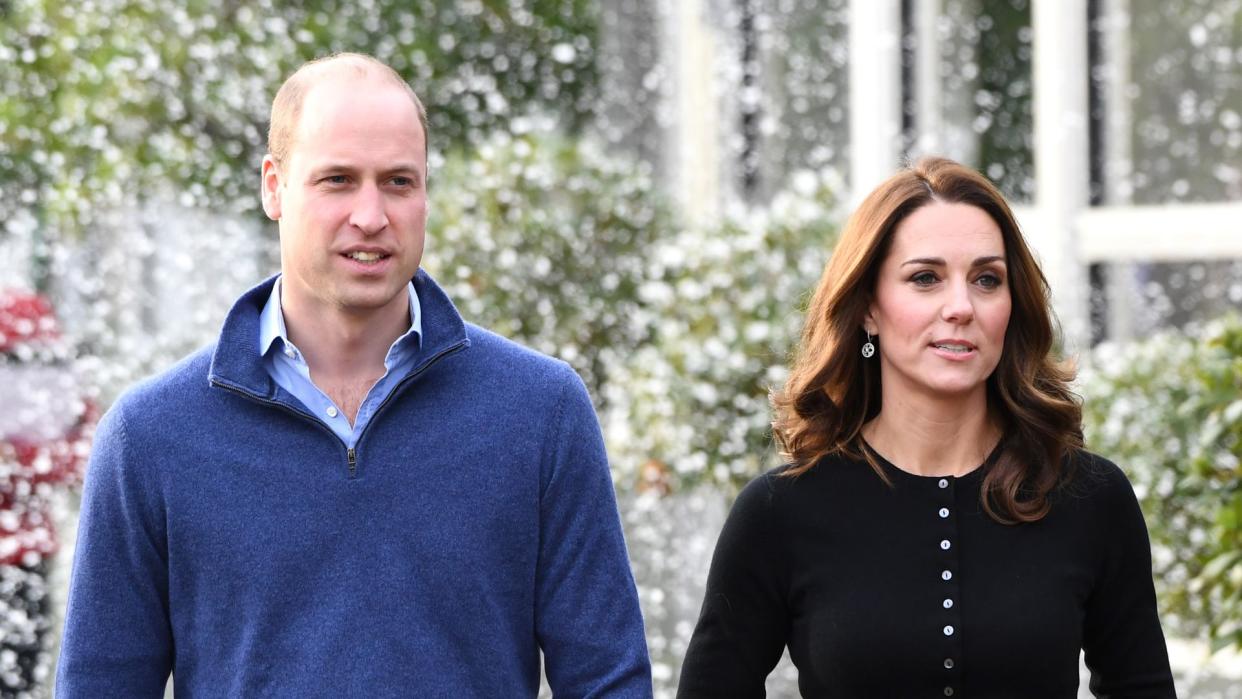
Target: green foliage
(1169, 410)
(545, 240)
(104, 101)
(725, 305)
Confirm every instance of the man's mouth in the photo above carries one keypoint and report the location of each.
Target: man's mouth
(366, 257)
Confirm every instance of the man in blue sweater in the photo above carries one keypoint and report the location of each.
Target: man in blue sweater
(352, 493)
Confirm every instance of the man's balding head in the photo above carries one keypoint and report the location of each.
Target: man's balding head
(287, 107)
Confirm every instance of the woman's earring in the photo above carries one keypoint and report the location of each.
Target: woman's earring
(868, 349)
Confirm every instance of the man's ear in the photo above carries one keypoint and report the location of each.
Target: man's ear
(270, 187)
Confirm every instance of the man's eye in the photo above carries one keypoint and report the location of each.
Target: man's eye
(335, 179)
(402, 181)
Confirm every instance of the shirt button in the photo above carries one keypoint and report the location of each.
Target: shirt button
(948, 630)
(944, 544)
(946, 575)
(948, 663)
(332, 411)
(290, 353)
(948, 604)
(944, 512)
(944, 483)
(948, 691)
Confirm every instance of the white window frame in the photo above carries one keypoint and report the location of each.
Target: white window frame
(1066, 233)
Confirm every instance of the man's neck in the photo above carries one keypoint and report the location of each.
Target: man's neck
(345, 346)
(933, 436)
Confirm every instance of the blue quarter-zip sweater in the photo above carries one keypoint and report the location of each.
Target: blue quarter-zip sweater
(231, 538)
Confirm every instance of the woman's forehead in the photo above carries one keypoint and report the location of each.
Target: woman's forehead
(947, 230)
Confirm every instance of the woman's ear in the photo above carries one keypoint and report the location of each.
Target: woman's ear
(868, 324)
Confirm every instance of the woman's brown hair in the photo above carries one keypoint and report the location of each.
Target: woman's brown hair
(832, 391)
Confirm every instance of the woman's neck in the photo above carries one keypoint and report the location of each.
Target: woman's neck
(933, 437)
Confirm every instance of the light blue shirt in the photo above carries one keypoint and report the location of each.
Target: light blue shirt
(288, 368)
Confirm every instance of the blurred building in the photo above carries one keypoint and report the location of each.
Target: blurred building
(1114, 125)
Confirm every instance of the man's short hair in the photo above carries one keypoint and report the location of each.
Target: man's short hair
(287, 106)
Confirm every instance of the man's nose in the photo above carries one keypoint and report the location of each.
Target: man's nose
(369, 214)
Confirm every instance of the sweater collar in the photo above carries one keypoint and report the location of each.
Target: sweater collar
(237, 364)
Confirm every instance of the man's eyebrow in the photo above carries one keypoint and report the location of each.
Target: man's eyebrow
(332, 167)
(408, 169)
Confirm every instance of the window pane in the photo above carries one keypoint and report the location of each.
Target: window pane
(1185, 100)
(985, 77)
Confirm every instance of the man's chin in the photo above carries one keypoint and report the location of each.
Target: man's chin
(367, 298)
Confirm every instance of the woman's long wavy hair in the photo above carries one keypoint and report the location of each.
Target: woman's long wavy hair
(832, 391)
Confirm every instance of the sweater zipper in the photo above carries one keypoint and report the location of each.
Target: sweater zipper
(292, 411)
(351, 454)
(452, 349)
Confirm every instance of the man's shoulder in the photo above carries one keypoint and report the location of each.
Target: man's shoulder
(514, 359)
(152, 408)
(169, 389)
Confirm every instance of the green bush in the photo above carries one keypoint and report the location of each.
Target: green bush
(1169, 411)
(546, 240)
(109, 101)
(725, 306)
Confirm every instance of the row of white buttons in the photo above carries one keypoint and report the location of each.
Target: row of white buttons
(946, 576)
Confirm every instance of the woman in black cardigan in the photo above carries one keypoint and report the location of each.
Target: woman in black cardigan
(939, 529)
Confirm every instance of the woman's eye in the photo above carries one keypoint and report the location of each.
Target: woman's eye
(989, 281)
(924, 279)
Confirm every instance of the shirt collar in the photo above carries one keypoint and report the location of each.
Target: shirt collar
(272, 322)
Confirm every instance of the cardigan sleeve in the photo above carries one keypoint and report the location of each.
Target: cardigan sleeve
(1122, 639)
(744, 622)
(117, 639)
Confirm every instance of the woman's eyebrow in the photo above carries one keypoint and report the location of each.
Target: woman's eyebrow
(939, 261)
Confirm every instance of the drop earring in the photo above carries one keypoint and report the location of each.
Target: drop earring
(868, 349)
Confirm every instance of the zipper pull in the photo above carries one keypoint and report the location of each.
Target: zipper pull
(353, 461)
